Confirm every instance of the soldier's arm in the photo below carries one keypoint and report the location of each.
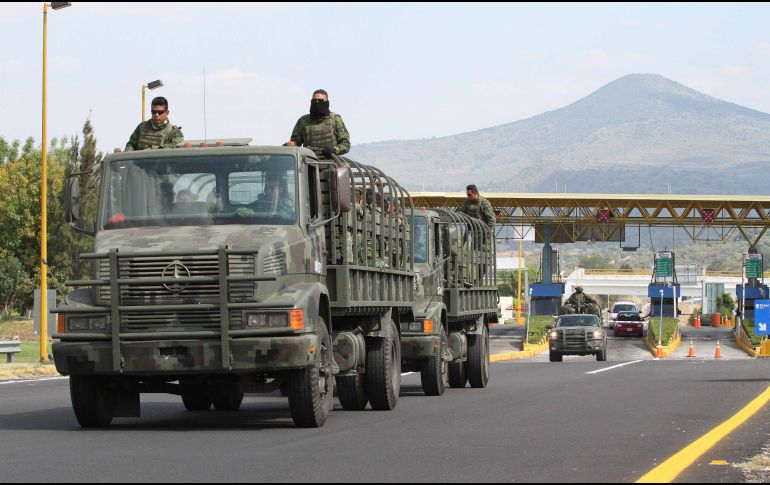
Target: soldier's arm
(489, 213)
(176, 138)
(342, 136)
(297, 133)
(134, 140)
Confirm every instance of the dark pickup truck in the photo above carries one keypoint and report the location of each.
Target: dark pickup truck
(577, 334)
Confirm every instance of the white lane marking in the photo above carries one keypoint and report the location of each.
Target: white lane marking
(613, 367)
(35, 380)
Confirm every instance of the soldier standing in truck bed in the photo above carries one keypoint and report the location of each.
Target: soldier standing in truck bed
(322, 131)
(156, 132)
(479, 207)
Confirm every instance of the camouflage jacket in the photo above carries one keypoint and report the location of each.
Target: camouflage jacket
(149, 135)
(481, 209)
(329, 131)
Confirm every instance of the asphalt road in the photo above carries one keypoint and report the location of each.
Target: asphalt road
(536, 422)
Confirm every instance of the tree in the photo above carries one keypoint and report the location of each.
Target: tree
(14, 283)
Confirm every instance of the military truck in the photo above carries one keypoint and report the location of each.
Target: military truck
(456, 298)
(225, 270)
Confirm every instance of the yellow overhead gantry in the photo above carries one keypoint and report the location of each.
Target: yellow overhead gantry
(604, 217)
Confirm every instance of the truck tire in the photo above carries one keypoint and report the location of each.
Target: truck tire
(92, 401)
(478, 359)
(601, 356)
(383, 370)
(311, 395)
(434, 372)
(457, 377)
(195, 395)
(227, 397)
(351, 391)
(555, 357)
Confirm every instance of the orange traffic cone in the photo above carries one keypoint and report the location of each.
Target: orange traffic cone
(718, 353)
(691, 353)
(659, 352)
(696, 323)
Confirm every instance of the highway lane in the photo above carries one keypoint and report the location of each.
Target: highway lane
(536, 421)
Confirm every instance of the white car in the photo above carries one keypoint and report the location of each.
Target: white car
(621, 306)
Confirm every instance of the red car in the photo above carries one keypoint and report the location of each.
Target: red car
(629, 323)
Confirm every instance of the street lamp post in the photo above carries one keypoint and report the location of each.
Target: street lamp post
(518, 303)
(151, 85)
(660, 332)
(44, 197)
(529, 313)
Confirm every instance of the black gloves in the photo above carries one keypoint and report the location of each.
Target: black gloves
(326, 151)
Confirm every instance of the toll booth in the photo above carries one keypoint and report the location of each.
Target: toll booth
(546, 295)
(753, 287)
(664, 291)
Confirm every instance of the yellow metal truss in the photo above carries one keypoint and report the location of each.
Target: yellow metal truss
(573, 213)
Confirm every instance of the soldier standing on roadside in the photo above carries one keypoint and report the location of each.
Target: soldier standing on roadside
(322, 131)
(156, 132)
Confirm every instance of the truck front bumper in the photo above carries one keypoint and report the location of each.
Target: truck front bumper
(172, 357)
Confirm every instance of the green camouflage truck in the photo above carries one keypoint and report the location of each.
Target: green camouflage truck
(219, 271)
(456, 298)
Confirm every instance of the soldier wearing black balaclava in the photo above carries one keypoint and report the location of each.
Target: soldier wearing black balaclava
(322, 131)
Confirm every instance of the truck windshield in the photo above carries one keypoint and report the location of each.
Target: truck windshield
(420, 240)
(577, 321)
(201, 190)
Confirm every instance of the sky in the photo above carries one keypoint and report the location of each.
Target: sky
(392, 70)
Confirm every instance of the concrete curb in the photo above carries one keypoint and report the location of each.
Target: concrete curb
(742, 340)
(667, 349)
(530, 350)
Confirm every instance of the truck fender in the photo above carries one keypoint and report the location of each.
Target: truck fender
(313, 298)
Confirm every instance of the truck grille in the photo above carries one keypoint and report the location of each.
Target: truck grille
(186, 320)
(153, 267)
(574, 339)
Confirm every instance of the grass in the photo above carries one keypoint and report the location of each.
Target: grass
(669, 327)
(537, 327)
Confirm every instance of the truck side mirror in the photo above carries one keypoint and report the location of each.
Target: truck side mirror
(72, 199)
(342, 195)
(549, 326)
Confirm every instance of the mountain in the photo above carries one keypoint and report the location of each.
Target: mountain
(636, 134)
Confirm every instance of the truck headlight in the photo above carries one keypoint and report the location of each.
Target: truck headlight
(598, 334)
(80, 324)
(266, 320)
(553, 335)
(411, 326)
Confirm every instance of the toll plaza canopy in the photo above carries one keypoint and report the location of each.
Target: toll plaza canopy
(606, 217)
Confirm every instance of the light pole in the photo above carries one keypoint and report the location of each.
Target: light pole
(44, 198)
(151, 85)
(529, 313)
(518, 303)
(660, 332)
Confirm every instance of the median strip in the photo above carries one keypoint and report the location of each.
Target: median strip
(671, 468)
(530, 350)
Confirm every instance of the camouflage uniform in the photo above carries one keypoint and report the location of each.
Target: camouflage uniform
(327, 132)
(150, 135)
(481, 209)
(579, 302)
